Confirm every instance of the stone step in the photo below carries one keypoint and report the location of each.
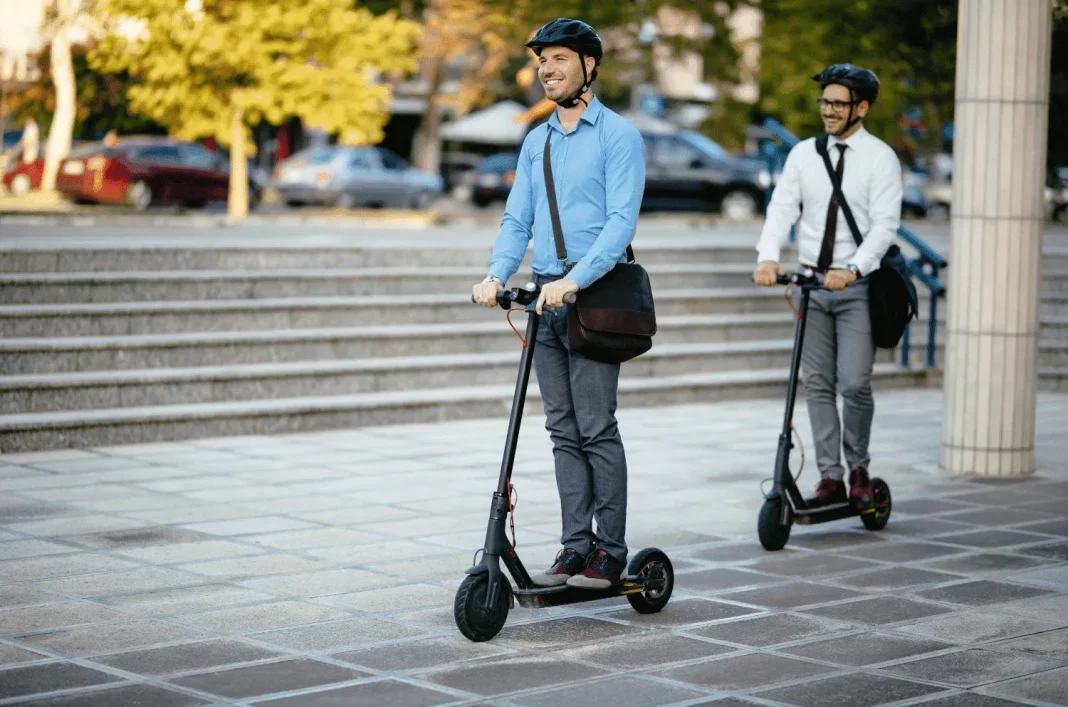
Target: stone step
(172, 386)
(1053, 380)
(118, 318)
(178, 285)
(114, 318)
(124, 425)
(422, 253)
(193, 349)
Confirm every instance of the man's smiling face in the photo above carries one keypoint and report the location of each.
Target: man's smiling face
(561, 72)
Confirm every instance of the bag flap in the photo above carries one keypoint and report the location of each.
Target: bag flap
(617, 321)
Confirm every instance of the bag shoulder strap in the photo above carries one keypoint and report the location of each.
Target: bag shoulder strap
(821, 147)
(554, 209)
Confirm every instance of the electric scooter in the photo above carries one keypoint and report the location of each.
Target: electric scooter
(485, 595)
(784, 505)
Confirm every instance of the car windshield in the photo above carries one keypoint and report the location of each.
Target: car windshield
(501, 162)
(705, 144)
(318, 155)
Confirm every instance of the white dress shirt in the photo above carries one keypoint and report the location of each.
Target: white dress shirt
(872, 185)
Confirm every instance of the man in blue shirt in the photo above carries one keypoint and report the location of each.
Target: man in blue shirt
(598, 168)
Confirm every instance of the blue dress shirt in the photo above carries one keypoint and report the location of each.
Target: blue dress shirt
(599, 173)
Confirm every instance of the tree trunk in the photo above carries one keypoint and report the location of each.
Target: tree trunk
(237, 206)
(428, 143)
(59, 134)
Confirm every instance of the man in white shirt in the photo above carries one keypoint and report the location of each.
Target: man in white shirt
(838, 352)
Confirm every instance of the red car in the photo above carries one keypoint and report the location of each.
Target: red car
(145, 171)
(21, 177)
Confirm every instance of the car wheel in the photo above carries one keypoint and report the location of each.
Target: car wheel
(739, 205)
(139, 196)
(20, 184)
(421, 201)
(938, 212)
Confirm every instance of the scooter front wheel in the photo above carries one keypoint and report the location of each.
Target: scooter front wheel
(475, 620)
(877, 519)
(773, 534)
(653, 570)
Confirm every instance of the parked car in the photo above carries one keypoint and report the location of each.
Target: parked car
(351, 177)
(939, 193)
(686, 169)
(21, 177)
(146, 171)
(493, 178)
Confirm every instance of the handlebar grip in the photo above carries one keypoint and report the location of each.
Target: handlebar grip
(782, 279)
(569, 298)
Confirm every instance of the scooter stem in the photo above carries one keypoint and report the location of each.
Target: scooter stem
(515, 419)
(782, 458)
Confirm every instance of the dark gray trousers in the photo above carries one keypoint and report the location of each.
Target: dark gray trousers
(837, 357)
(579, 398)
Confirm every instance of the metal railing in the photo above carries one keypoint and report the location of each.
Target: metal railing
(924, 267)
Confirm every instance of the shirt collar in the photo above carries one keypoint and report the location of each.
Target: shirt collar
(590, 115)
(851, 141)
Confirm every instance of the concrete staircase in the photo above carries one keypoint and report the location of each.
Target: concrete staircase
(123, 345)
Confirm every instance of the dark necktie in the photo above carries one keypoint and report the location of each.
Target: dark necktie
(827, 249)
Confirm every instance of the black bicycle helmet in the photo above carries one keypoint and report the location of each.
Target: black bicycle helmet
(577, 36)
(863, 82)
(863, 85)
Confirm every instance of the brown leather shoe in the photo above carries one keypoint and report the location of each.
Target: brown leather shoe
(828, 491)
(860, 493)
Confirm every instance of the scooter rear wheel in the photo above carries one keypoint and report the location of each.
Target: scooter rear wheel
(773, 534)
(652, 567)
(883, 503)
(475, 620)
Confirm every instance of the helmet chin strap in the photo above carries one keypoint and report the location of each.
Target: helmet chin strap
(850, 121)
(573, 100)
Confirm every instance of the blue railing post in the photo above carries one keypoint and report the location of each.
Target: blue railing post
(927, 256)
(905, 346)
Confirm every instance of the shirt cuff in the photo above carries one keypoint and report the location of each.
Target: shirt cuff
(768, 253)
(582, 275)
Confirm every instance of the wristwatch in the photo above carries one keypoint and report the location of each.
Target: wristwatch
(493, 278)
(853, 269)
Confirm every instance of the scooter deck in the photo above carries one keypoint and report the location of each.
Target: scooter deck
(826, 514)
(540, 597)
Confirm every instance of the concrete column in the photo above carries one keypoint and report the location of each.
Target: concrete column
(999, 154)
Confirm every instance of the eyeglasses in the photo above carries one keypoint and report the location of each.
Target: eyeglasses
(837, 105)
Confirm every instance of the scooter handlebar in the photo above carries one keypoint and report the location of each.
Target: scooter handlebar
(523, 296)
(804, 279)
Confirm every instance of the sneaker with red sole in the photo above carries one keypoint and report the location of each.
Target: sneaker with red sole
(568, 562)
(602, 571)
(860, 491)
(828, 492)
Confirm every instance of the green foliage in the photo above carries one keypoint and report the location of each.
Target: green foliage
(1057, 150)
(102, 104)
(910, 44)
(266, 59)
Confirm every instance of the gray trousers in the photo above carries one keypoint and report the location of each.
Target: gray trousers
(579, 398)
(838, 356)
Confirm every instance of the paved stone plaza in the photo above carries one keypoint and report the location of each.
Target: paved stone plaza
(320, 569)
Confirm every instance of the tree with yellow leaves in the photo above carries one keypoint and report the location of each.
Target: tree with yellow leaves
(474, 33)
(215, 67)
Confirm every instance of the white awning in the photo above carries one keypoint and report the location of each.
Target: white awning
(493, 126)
